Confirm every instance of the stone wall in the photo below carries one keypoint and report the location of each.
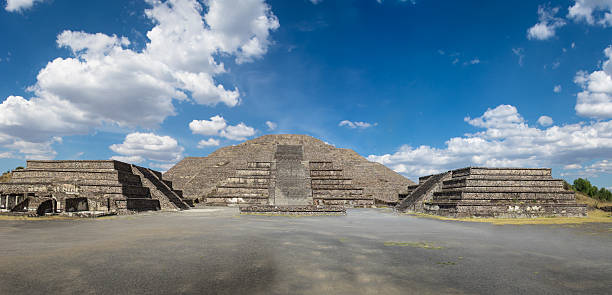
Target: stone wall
(96, 186)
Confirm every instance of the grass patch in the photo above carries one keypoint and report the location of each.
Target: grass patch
(594, 216)
(590, 202)
(17, 217)
(424, 245)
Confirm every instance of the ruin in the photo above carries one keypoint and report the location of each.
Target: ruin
(491, 192)
(286, 170)
(87, 188)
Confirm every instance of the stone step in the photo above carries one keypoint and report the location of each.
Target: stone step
(520, 196)
(253, 172)
(502, 171)
(340, 197)
(326, 173)
(240, 190)
(504, 177)
(78, 164)
(505, 203)
(466, 182)
(336, 188)
(259, 165)
(249, 181)
(226, 201)
(78, 182)
(331, 181)
(504, 189)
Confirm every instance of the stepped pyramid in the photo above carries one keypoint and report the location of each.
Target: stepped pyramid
(286, 170)
(492, 192)
(98, 187)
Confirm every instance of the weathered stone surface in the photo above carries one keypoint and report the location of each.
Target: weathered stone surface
(98, 187)
(496, 192)
(248, 173)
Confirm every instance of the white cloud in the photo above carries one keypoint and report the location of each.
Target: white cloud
(520, 52)
(353, 125)
(545, 121)
(108, 83)
(506, 141)
(208, 127)
(217, 126)
(592, 12)
(209, 142)
(548, 23)
(238, 132)
(315, 2)
(271, 125)
(139, 146)
(595, 100)
(35, 150)
(19, 5)
(557, 89)
(163, 167)
(129, 159)
(572, 166)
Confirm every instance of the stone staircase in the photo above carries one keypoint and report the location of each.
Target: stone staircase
(169, 198)
(330, 187)
(495, 192)
(249, 185)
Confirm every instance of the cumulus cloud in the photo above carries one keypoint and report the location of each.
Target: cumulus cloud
(217, 126)
(356, 124)
(557, 89)
(208, 127)
(545, 121)
(209, 142)
(271, 125)
(19, 5)
(238, 132)
(593, 12)
(138, 147)
(506, 140)
(548, 23)
(106, 82)
(595, 100)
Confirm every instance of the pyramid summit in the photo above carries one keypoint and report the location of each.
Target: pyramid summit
(286, 169)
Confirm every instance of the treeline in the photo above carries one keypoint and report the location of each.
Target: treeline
(584, 186)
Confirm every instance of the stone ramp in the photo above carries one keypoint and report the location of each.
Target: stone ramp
(493, 192)
(292, 180)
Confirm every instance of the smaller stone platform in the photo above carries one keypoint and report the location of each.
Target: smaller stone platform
(293, 210)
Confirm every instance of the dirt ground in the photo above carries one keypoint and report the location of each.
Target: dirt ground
(368, 251)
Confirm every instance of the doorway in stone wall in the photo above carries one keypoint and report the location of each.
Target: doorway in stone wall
(76, 205)
(45, 207)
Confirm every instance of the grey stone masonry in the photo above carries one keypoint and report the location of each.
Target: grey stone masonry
(493, 192)
(97, 187)
(232, 175)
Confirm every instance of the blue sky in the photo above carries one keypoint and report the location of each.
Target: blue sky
(420, 86)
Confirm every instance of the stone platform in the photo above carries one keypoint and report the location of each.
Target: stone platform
(293, 210)
(90, 187)
(492, 192)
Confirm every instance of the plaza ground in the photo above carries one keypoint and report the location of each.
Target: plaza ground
(368, 251)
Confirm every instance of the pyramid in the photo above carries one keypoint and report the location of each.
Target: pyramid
(287, 170)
